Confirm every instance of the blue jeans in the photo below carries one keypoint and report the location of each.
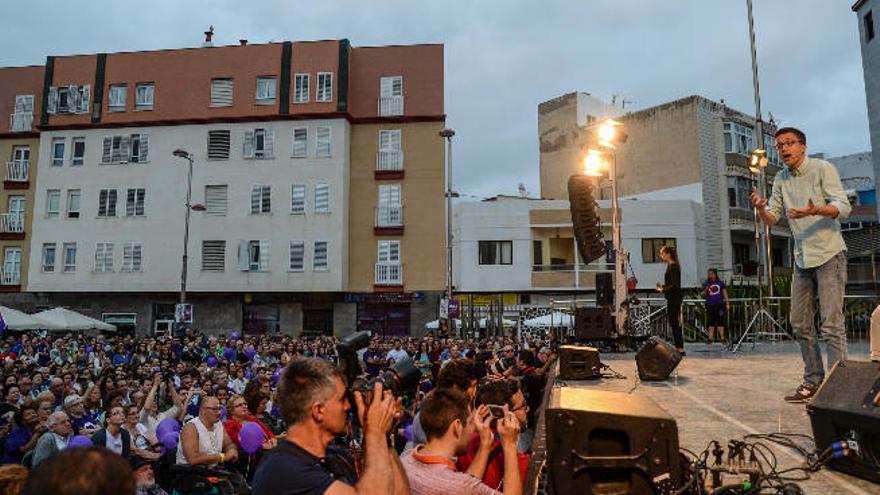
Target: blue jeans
(828, 281)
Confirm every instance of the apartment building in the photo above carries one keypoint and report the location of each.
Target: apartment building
(870, 46)
(304, 156)
(20, 100)
(690, 149)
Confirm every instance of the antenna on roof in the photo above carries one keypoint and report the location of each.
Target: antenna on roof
(208, 34)
(523, 192)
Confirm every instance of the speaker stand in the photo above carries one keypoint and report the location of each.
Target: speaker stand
(761, 325)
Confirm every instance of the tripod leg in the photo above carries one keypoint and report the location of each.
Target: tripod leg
(745, 333)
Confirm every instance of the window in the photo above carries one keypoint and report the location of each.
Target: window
(325, 87)
(253, 256)
(259, 144)
(298, 199)
(391, 96)
(78, 145)
(651, 249)
(73, 196)
(134, 202)
(23, 118)
(221, 92)
(389, 140)
(496, 252)
(322, 198)
(537, 253)
(216, 200)
(69, 257)
(117, 97)
(68, 99)
(144, 92)
(104, 257)
(107, 203)
(300, 143)
(301, 88)
(297, 256)
(53, 203)
(389, 252)
(133, 148)
(738, 139)
(265, 90)
(12, 266)
(322, 142)
(319, 261)
(869, 26)
(389, 212)
(49, 257)
(132, 255)
(218, 145)
(57, 152)
(261, 200)
(213, 256)
(738, 191)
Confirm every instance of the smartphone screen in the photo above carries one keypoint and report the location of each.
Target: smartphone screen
(496, 410)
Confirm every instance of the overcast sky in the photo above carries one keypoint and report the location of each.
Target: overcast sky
(505, 57)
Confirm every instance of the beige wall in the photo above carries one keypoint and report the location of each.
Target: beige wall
(6, 146)
(560, 141)
(422, 242)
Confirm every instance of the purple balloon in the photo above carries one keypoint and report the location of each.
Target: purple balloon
(251, 437)
(89, 349)
(169, 440)
(222, 413)
(250, 353)
(234, 336)
(167, 425)
(80, 441)
(276, 376)
(229, 353)
(212, 362)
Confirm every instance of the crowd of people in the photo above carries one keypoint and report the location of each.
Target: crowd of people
(275, 413)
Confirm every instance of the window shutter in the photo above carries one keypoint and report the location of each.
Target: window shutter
(124, 146)
(264, 256)
(255, 199)
(243, 256)
(84, 97)
(52, 102)
(216, 200)
(385, 85)
(249, 144)
(213, 256)
(145, 148)
(269, 143)
(106, 156)
(218, 145)
(300, 142)
(221, 92)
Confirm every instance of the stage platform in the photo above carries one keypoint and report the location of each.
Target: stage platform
(717, 395)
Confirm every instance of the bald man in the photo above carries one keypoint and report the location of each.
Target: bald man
(204, 440)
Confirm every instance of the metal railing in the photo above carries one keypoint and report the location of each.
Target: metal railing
(10, 277)
(17, 171)
(12, 223)
(389, 216)
(390, 106)
(389, 273)
(389, 160)
(21, 122)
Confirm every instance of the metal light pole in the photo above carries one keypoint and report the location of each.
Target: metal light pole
(181, 153)
(765, 250)
(447, 134)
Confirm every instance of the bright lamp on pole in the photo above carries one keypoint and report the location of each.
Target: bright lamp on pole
(610, 134)
(757, 161)
(593, 163)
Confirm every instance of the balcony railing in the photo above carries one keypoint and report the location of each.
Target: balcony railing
(12, 223)
(10, 277)
(21, 122)
(389, 216)
(17, 171)
(390, 106)
(389, 160)
(389, 273)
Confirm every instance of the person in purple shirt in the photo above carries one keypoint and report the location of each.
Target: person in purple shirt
(717, 304)
(374, 358)
(24, 437)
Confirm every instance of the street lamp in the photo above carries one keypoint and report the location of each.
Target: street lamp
(610, 135)
(447, 133)
(181, 153)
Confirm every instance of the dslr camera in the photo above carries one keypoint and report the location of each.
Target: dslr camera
(399, 378)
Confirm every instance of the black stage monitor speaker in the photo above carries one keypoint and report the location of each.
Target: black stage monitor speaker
(585, 218)
(592, 324)
(579, 363)
(604, 443)
(847, 408)
(656, 359)
(604, 289)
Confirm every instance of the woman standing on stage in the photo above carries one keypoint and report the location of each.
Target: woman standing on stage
(717, 303)
(671, 289)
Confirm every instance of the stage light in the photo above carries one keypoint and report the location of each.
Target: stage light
(593, 163)
(758, 160)
(610, 134)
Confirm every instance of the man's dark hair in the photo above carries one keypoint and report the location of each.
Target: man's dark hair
(253, 395)
(791, 130)
(92, 471)
(458, 373)
(441, 408)
(304, 381)
(527, 357)
(498, 392)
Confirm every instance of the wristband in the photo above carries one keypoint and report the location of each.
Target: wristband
(222, 457)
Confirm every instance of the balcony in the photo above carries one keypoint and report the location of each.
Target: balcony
(16, 174)
(21, 122)
(389, 164)
(12, 226)
(10, 277)
(390, 106)
(389, 220)
(564, 276)
(389, 275)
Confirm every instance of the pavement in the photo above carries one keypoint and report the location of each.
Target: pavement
(717, 395)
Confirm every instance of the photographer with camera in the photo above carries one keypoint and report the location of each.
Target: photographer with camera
(314, 403)
(449, 423)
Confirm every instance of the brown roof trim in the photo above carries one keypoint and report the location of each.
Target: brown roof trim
(234, 120)
(19, 135)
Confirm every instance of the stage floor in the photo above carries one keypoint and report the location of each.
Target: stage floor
(716, 395)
